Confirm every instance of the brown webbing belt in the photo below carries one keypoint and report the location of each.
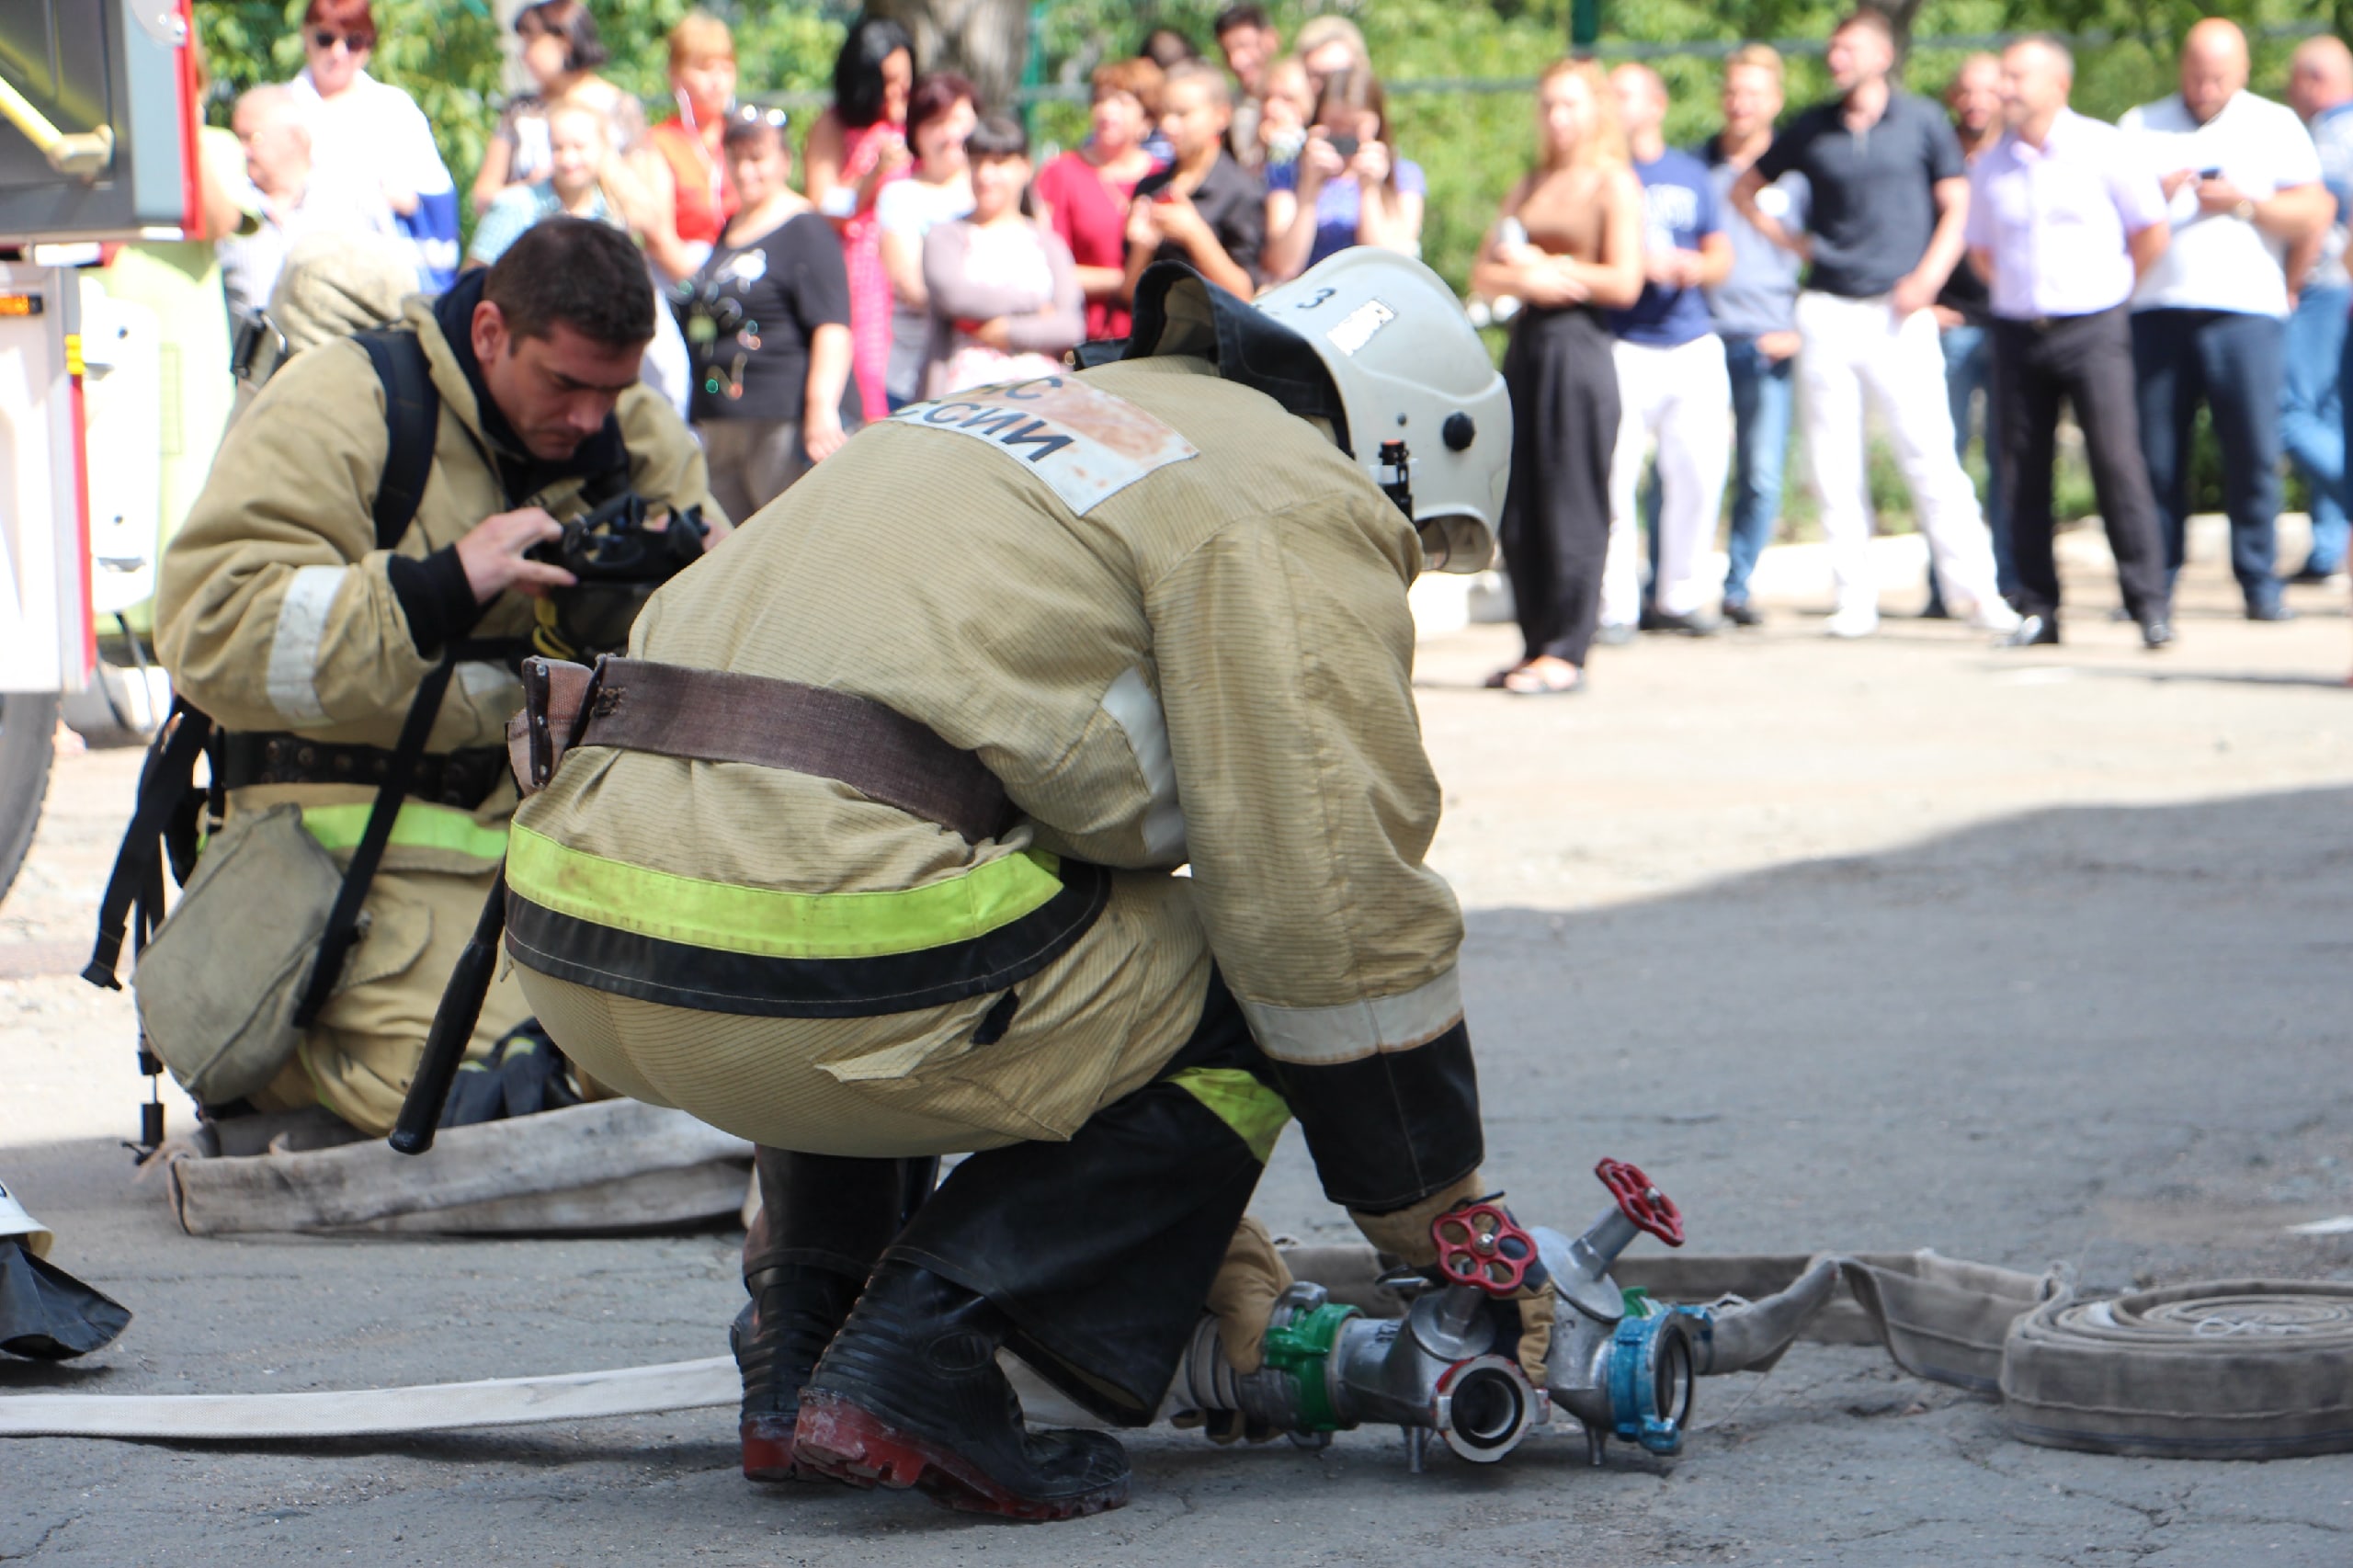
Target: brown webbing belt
(716, 716)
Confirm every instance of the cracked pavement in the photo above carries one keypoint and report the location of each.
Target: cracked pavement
(2023, 956)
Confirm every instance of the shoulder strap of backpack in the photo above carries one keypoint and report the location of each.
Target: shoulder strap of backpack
(413, 413)
(136, 879)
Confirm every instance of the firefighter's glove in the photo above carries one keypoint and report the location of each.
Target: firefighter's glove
(1525, 1316)
(1249, 1282)
(1403, 1236)
(1537, 1304)
(1525, 1313)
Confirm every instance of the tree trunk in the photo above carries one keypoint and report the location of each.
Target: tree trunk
(1900, 15)
(986, 39)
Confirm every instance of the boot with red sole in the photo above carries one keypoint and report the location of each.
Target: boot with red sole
(909, 1394)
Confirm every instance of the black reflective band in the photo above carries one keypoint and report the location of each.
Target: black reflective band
(1387, 1131)
(679, 975)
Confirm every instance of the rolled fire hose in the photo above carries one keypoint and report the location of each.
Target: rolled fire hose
(2250, 1369)
(2238, 1370)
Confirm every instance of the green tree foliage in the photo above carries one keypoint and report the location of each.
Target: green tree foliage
(450, 56)
(1472, 141)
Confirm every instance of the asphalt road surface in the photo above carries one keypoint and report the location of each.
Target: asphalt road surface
(2023, 956)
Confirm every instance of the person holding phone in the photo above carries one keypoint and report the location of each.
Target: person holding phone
(1347, 186)
(2243, 184)
(1204, 210)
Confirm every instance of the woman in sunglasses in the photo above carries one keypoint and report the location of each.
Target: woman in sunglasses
(768, 324)
(369, 134)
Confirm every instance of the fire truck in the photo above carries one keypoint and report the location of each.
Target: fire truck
(100, 105)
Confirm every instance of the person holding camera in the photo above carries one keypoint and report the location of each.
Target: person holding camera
(365, 526)
(1347, 186)
(768, 324)
(2243, 185)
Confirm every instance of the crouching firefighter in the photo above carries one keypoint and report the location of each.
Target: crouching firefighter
(342, 616)
(867, 854)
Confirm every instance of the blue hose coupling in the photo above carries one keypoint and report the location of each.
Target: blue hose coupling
(1651, 1372)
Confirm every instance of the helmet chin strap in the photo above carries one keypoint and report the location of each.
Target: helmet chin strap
(1396, 476)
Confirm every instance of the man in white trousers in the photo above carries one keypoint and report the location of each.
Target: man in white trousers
(1890, 199)
(1672, 386)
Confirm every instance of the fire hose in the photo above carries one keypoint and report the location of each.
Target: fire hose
(2238, 1370)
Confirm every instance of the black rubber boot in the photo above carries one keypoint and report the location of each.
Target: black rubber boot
(793, 1314)
(822, 1223)
(910, 1394)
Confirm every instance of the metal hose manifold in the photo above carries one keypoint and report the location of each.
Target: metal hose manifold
(1624, 1368)
(1328, 1367)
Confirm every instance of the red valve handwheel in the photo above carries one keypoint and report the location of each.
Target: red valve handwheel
(1642, 1202)
(1480, 1244)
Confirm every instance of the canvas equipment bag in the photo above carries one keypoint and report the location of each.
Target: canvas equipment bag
(220, 1013)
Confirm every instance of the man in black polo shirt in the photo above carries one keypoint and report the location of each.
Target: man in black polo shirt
(1204, 210)
(1889, 198)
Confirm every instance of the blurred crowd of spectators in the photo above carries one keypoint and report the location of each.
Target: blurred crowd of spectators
(1678, 311)
(912, 248)
(1984, 264)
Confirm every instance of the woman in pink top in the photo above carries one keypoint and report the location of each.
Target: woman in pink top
(855, 149)
(1087, 192)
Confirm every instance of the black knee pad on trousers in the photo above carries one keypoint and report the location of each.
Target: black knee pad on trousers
(1100, 1251)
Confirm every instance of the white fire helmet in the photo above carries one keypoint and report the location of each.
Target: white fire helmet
(15, 1221)
(1409, 367)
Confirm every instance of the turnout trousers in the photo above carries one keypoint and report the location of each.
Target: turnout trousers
(1099, 1241)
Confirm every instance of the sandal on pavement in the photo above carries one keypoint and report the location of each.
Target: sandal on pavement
(1501, 679)
(1549, 677)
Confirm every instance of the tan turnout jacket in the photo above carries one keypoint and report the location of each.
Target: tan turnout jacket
(1179, 637)
(275, 612)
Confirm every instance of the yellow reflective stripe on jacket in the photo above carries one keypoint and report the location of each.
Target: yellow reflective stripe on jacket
(1256, 1112)
(420, 825)
(770, 923)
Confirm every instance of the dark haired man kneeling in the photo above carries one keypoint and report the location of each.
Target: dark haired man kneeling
(282, 615)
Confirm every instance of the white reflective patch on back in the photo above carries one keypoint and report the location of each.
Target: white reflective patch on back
(1086, 444)
(294, 674)
(1135, 707)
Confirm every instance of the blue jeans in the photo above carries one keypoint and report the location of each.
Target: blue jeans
(2312, 415)
(2235, 362)
(1763, 397)
(1969, 369)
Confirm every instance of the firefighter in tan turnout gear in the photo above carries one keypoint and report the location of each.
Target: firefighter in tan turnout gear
(301, 611)
(866, 855)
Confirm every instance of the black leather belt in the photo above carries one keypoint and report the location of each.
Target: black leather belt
(460, 779)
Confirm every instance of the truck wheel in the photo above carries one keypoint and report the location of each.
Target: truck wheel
(27, 728)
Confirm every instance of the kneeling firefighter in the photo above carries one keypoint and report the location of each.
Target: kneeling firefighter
(342, 616)
(866, 855)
